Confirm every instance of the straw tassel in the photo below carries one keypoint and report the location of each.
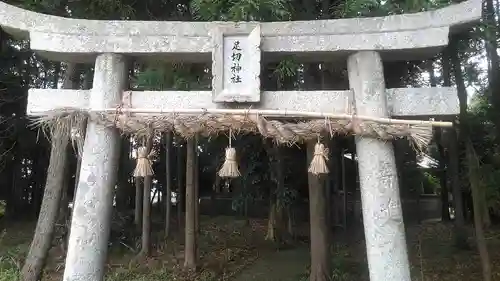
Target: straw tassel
(230, 167)
(318, 163)
(143, 167)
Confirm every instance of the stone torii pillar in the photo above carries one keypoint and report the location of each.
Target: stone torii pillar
(90, 226)
(380, 199)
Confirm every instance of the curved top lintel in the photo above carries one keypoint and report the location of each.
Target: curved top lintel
(21, 22)
(42, 28)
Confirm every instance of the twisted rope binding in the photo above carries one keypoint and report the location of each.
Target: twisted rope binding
(281, 131)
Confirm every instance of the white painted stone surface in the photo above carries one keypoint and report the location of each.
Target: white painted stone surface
(90, 226)
(400, 101)
(381, 203)
(236, 64)
(40, 100)
(71, 39)
(422, 101)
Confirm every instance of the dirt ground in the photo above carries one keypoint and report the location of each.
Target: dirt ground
(234, 250)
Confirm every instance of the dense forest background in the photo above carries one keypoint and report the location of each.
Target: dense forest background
(461, 165)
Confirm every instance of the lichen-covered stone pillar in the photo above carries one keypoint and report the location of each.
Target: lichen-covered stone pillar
(93, 205)
(381, 203)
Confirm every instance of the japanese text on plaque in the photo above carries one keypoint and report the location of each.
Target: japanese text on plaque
(236, 63)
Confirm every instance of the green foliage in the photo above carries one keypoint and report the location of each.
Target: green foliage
(490, 181)
(128, 274)
(8, 272)
(431, 184)
(103, 9)
(152, 79)
(485, 142)
(253, 170)
(9, 267)
(160, 77)
(287, 68)
(374, 8)
(240, 10)
(9, 260)
(3, 205)
(343, 268)
(286, 72)
(287, 196)
(354, 8)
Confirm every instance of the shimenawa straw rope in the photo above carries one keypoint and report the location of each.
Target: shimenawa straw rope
(284, 131)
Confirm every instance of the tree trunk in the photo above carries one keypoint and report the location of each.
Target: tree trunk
(138, 202)
(88, 79)
(196, 182)
(44, 231)
(328, 198)
(290, 222)
(54, 188)
(190, 232)
(245, 208)
(486, 211)
(83, 132)
(124, 188)
(146, 211)
(280, 206)
(275, 222)
(445, 213)
(336, 170)
(71, 80)
(180, 183)
(454, 165)
(146, 218)
(40, 163)
(464, 126)
(472, 162)
(271, 222)
(455, 181)
(63, 210)
(475, 183)
(152, 200)
(492, 55)
(64, 214)
(497, 13)
(168, 188)
(320, 250)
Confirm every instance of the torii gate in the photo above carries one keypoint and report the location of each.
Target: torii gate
(363, 42)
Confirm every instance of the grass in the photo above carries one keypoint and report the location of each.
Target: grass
(225, 246)
(12, 251)
(9, 266)
(228, 246)
(138, 275)
(432, 252)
